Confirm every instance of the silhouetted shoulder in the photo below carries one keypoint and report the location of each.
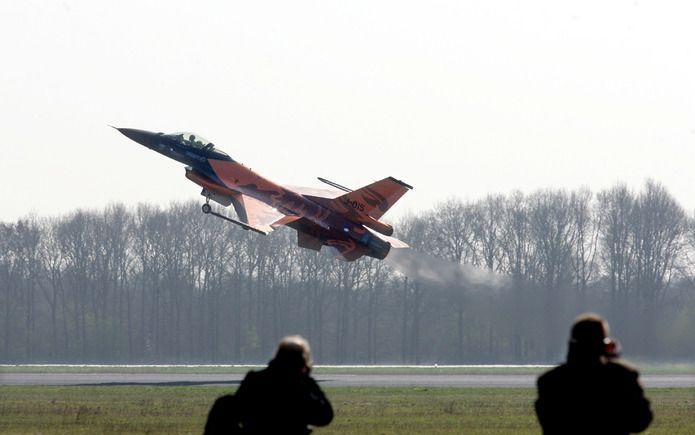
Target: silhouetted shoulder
(270, 401)
(253, 376)
(636, 409)
(553, 373)
(621, 367)
(223, 417)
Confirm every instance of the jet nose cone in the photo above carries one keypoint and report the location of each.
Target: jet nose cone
(143, 137)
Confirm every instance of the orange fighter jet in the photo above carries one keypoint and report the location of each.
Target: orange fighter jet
(348, 224)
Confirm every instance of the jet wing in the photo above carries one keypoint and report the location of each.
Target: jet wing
(255, 213)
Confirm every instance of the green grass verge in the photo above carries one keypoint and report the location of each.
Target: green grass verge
(182, 410)
(394, 370)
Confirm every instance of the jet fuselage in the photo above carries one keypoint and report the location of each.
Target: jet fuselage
(217, 172)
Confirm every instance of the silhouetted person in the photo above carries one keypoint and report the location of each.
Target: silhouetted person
(591, 393)
(280, 399)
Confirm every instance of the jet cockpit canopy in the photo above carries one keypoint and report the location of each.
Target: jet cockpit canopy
(192, 140)
(195, 141)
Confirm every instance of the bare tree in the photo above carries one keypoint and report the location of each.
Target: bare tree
(516, 247)
(376, 278)
(587, 225)
(421, 238)
(453, 238)
(553, 233)
(10, 281)
(52, 289)
(487, 222)
(659, 229)
(616, 212)
(314, 279)
(520, 263)
(348, 277)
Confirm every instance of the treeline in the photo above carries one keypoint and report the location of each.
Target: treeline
(153, 285)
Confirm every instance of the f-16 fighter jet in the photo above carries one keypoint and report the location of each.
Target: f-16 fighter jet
(348, 224)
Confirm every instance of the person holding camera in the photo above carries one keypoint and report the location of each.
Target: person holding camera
(592, 393)
(281, 399)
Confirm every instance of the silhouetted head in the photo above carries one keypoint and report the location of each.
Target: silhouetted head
(588, 338)
(293, 354)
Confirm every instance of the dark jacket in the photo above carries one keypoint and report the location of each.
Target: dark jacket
(592, 398)
(271, 401)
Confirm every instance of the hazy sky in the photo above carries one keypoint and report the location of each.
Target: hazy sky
(455, 98)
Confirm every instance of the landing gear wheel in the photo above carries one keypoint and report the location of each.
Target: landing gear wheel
(206, 208)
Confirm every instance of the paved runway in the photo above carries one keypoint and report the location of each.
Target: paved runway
(378, 380)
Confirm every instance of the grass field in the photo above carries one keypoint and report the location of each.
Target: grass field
(182, 410)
